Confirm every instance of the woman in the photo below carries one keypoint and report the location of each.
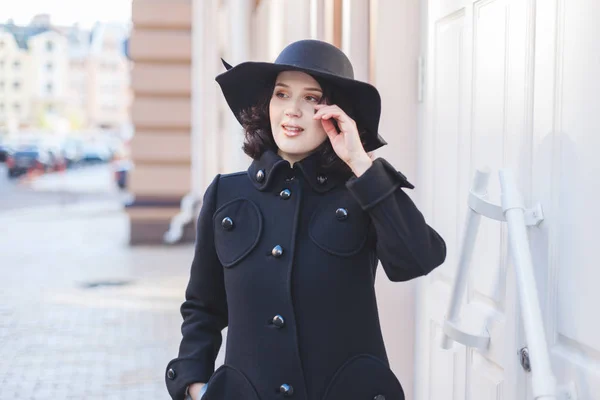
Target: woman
(286, 252)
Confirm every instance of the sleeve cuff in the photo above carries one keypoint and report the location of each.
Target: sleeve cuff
(377, 183)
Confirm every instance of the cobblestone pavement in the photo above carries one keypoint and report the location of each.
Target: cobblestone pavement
(64, 336)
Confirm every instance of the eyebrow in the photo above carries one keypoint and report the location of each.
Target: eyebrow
(306, 88)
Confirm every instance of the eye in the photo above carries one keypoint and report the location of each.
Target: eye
(281, 95)
(313, 99)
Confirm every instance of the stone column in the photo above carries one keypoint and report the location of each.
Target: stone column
(160, 47)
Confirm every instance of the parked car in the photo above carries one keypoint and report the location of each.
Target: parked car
(5, 151)
(28, 158)
(58, 162)
(96, 153)
(72, 151)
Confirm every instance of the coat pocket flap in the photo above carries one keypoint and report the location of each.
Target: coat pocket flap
(364, 377)
(237, 227)
(340, 228)
(227, 383)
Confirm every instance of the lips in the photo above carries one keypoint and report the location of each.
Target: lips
(292, 130)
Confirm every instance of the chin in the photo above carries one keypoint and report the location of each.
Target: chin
(297, 145)
(295, 148)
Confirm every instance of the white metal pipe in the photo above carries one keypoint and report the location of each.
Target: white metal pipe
(543, 381)
(480, 182)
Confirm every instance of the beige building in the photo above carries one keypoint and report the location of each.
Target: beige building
(33, 74)
(99, 76)
(50, 73)
(109, 77)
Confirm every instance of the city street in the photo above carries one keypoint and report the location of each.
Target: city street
(82, 314)
(88, 183)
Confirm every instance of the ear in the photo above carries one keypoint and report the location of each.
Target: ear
(227, 66)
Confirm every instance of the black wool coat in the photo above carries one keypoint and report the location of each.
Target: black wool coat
(286, 258)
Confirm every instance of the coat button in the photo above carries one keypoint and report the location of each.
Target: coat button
(379, 397)
(285, 194)
(171, 374)
(227, 223)
(260, 175)
(278, 321)
(277, 251)
(286, 390)
(322, 179)
(341, 214)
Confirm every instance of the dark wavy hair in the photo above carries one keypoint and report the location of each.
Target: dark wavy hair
(259, 138)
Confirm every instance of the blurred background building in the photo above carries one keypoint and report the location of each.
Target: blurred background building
(49, 75)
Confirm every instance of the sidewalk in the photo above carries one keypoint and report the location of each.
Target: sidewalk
(62, 334)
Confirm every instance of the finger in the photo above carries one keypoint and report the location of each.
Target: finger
(329, 113)
(321, 112)
(324, 108)
(343, 120)
(329, 128)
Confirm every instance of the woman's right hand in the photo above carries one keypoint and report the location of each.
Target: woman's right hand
(195, 389)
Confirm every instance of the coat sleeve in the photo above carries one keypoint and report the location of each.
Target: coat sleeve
(406, 246)
(204, 310)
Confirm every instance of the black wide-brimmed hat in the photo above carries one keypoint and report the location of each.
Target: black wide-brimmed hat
(244, 85)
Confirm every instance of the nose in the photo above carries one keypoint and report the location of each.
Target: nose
(293, 111)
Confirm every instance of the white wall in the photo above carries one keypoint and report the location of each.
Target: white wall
(395, 76)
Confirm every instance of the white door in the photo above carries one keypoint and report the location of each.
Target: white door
(512, 83)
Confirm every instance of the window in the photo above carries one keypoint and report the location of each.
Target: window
(49, 66)
(49, 46)
(2, 107)
(1, 44)
(1, 64)
(49, 88)
(16, 85)
(1, 86)
(17, 64)
(17, 107)
(50, 108)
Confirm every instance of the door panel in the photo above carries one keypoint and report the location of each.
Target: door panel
(513, 83)
(475, 66)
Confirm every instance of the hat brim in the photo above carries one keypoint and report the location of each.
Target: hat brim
(244, 85)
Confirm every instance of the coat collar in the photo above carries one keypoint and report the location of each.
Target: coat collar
(266, 169)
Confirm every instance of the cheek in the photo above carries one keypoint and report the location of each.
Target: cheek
(317, 128)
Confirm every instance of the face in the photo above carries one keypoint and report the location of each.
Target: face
(291, 112)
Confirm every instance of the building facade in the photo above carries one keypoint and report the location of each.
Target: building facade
(50, 73)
